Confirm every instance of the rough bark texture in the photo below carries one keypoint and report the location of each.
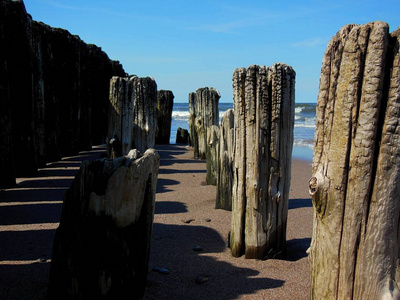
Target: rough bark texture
(144, 113)
(54, 93)
(225, 172)
(212, 154)
(204, 112)
(356, 165)
(182, 136)
(264, 120)
(101, 248)
(132, 121)
(165, 104)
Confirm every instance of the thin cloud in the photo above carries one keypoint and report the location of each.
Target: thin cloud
(311, 43)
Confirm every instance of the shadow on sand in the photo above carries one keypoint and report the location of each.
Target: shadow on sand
(34, 202)
(172, 248)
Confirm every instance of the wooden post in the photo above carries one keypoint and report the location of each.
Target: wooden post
(101, 248)
(212, 154)
(165, 103)
(120, 117)
(144, 113)
(204, 112)
(132, 122)
(355, 186)
(264, 120)
(225, 171)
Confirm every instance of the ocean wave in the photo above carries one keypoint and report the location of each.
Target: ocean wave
(304, 125)
(304, 143)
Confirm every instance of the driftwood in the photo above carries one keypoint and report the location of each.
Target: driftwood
(225, 170)
(204, 112)
(264, 120)
(356, 167)
(132, 121)
(101, 248)
(165, 103)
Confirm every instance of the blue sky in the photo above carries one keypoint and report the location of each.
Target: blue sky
(186, 45)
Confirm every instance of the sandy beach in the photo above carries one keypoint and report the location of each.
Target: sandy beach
(29, 215)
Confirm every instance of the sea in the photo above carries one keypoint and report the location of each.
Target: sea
(304, 126)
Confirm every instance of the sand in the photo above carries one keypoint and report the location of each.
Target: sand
(29, 215)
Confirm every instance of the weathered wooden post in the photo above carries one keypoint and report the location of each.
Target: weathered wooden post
(101, 248)
(355, 186)
(182, 136)
(165, 103)
(144, 113)
(120, 117)
(264, 121)
(212, 154)
(132, 117)
(203, 109)
(225, 170)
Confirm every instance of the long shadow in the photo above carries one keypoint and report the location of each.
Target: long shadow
(30, 203)
(162, 184)
(172, 248)
(175, 171)
(299, 203)
(170, 207)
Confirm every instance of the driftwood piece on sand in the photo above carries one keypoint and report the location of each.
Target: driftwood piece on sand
(165, 104)
(101, 248)
(264, 121)
(355, 186)
(225, 170)
(204, 112)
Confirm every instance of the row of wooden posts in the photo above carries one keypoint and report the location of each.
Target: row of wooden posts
(355, 187)
(249, 156)
(355, 247)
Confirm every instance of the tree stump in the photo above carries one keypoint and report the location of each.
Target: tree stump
(101, 248)
(165, 103)
(204, 112)
(264, 121)
(225, 172)
(355, 187)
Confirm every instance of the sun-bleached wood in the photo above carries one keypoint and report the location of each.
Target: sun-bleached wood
(264, 120)
(204, 112)
(225, 170)
(132, 119)
(355, 186)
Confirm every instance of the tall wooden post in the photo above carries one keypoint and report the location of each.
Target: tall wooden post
(165, 104)
(356, 167)
(264, 120)
(225, 170)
